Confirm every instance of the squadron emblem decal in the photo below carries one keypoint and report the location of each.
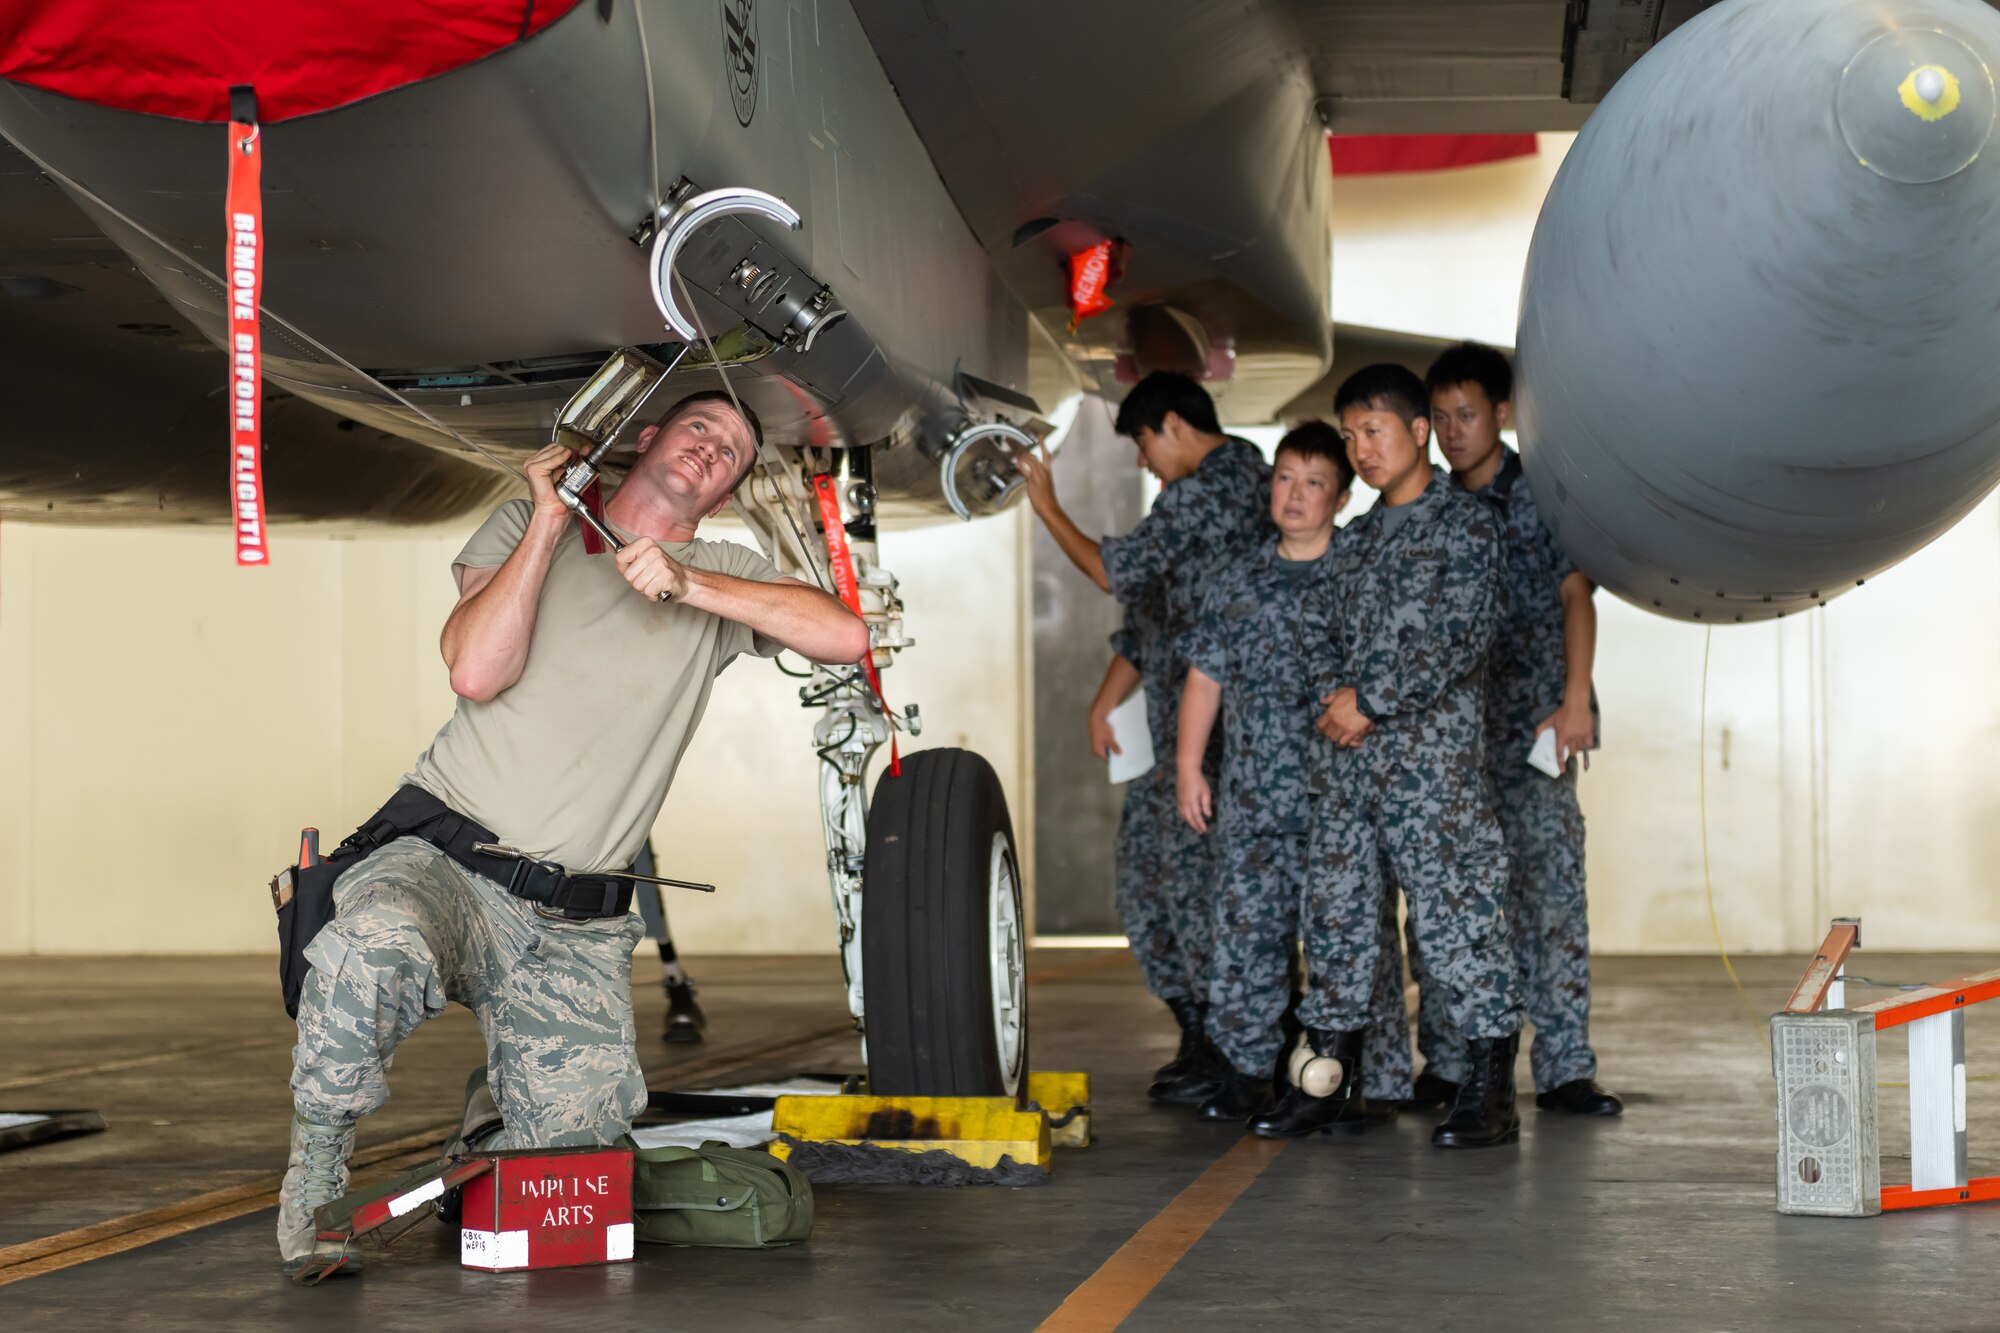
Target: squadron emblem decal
(739, 50)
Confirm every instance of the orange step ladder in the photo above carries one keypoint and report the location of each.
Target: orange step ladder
(1823, 1055)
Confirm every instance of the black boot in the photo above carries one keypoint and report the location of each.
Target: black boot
(1195, 1073)
(686, 1023)
(1203, 1079)
(1483, 1116)
(1431, 1093)
(1188, 1014)
(1240, 1096)
(1343, 1111)
(1579, 1096)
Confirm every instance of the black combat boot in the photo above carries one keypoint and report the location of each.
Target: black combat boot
(1579, 1096)
(1188, 1014)
(686, 1023)
(1195, 1073)
(1431, 1093)
(1203, 1079)
(1240, 1096)
(1483, 1115)
(1342, 1111)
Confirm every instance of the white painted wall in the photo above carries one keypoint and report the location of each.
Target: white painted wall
(167, 722)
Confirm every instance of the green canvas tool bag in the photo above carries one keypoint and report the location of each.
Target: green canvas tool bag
(737, 1198)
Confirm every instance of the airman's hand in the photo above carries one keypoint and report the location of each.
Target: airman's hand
(1343, 722)
(1035, 469)
(1574, 732)
(544, 470)
(1196, 803)
(651, 571)
(1103, 741)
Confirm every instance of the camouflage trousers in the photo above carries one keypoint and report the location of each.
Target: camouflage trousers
(413, 930)
(1550, 928)
(1442, 845)
(1257, 901)
(1166, 872)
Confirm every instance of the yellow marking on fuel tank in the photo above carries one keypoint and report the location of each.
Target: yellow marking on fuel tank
(1936, 108)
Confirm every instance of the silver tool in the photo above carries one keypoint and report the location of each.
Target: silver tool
(596, 414)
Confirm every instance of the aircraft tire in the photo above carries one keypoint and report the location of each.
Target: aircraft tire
(943, 934)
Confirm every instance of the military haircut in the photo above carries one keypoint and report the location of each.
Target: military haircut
(1473, 363)
(1384, 387)
(1319, 439)
(1164, 391)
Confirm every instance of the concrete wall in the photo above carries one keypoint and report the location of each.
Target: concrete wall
(167, 722)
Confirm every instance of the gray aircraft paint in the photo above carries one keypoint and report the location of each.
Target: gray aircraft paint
(1751, 366)
(485, 216)
(1754, 370)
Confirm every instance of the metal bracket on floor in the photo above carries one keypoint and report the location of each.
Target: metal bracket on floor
(978, 1131)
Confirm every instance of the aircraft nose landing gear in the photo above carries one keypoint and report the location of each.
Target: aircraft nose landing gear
(926, 884)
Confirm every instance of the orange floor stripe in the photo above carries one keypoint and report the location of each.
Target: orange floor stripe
(1063, 971)
(1115, 1290)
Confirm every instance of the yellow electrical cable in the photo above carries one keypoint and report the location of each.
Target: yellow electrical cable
(1708, 878)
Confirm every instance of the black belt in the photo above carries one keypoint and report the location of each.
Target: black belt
(414, 813)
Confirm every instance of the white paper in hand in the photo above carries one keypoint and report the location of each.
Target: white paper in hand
(1134, 757)
(1543, 756)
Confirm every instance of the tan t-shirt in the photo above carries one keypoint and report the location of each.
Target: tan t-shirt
(572, 762)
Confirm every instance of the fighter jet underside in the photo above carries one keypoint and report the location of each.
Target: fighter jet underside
(1191, 131)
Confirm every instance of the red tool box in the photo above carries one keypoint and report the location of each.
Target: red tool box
(549, 1210)
(537, 1208)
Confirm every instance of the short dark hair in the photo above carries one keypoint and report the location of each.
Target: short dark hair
(721, 396)
(1164, 391)
(1318, 439)
(1384, 387)
(1473, 363)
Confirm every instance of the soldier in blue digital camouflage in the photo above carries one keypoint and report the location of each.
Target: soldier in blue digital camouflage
(1213, 501)
(580, 680)
(1250, 659)
(1537, 681)
(1399, 785)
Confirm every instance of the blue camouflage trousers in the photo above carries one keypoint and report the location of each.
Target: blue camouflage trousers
(1443, 846)
(413, 930)
(1437, 1040)
(1549, 917)
(1166, 873)
(1256, 930)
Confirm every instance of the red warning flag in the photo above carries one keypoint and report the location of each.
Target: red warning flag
(245, 219)
(1089, 274)
(841, 556)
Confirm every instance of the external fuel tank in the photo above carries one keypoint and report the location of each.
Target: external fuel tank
(1759, 352)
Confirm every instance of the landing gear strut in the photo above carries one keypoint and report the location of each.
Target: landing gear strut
(927, 885)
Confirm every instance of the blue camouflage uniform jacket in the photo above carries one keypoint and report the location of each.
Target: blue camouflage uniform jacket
(1525, 673)
(1412, 615)
(1160, 568)
(1257, 635)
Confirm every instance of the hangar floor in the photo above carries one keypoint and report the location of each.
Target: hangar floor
(1661, 1220)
